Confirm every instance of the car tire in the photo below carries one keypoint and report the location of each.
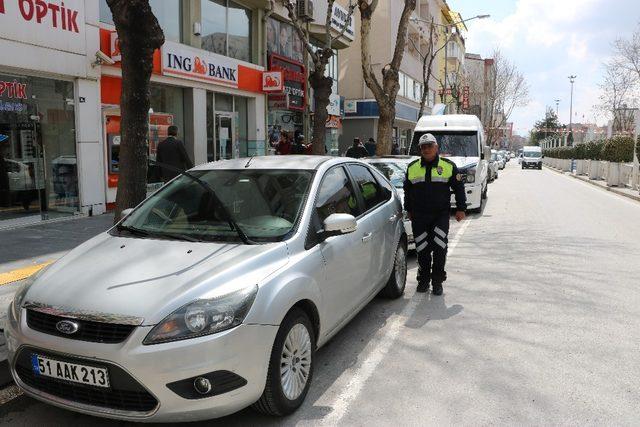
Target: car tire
(484, 194)
(297, 331)
(397, 282)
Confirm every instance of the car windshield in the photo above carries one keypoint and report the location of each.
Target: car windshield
(532, 154)
(451, 144)
(264, 204)
(393, 171)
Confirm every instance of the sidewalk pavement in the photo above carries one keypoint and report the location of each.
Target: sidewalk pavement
(622, 191)
(26, 250)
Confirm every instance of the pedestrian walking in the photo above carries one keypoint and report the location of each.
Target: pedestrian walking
(357, 151)
(171, 156)
(427, 198)
(371, 147)
(284, 146)
(395, 149)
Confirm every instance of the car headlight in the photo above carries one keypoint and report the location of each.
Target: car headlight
(204, 317)
(471, 175)
(18, 297)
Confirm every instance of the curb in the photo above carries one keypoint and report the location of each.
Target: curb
(615, 190)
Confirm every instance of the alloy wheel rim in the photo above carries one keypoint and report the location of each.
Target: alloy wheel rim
(401, 268)
(295, 362)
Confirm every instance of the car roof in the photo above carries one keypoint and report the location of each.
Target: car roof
(301, 162)
(449, 122)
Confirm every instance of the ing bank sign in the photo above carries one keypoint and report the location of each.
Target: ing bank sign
(195, 64)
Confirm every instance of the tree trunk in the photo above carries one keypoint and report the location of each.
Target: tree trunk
(140, 35)
(321, 91)
(385, 129)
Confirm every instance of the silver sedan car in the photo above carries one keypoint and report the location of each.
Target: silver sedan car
(213, 294)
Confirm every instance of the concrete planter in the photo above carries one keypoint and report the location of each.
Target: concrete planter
(566, 165)
(613, 174)
(594, 169)
(587, 166)
(580, 167)
(604, 170)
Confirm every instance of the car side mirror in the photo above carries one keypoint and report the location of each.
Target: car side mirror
(126, 212)
(338, 224)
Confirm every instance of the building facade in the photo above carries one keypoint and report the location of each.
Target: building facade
(60, 100)
(361, 109)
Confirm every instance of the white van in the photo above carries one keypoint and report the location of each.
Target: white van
(532, 157)
(461, 140)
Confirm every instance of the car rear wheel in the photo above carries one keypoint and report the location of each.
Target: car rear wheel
(398, 280)
(290, 367)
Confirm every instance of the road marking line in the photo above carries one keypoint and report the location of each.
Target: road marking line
(21, 273)
(381, 344)
(9, 393)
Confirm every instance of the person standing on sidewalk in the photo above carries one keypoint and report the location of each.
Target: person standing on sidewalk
(171, 156)
(357, 151)
(427, 200)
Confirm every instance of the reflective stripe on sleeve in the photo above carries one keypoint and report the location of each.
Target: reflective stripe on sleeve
(421, 247)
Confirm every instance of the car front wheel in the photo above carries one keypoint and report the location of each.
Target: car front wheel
(290, 366)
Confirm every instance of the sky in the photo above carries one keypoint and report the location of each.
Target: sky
(549, 40)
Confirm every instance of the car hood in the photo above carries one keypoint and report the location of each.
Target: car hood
(463, 162)
(148, 278)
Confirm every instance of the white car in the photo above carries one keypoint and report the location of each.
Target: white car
(501, 162)
(213, 294)
(493, 166)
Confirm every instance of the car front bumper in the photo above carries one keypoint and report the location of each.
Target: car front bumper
(243, 351)
(474, 196)
(535, 164)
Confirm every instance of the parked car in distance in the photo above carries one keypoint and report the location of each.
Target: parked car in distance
(532, 157)
(501, 161)
(395, 169)
(213, 294)
(493, 166)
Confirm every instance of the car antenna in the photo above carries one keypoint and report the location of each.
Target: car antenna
(249, 161)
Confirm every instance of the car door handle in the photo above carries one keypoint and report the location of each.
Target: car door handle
(367, 237)
(393, 217)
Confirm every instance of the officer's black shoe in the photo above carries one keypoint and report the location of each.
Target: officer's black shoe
(437, 289)
(422, 287)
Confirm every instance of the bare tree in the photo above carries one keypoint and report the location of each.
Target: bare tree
(140, 35)
(385, 92)
(618, 91)
(320, 57)
(428, 59)
(510, 90)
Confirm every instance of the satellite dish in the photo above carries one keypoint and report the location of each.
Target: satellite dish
(438, 110)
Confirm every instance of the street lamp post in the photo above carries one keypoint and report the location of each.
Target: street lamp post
(557, 105)
(572, 79)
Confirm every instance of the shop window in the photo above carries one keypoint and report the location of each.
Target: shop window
(283, 40)
(168, 13)
(38, 168)
(226, 29)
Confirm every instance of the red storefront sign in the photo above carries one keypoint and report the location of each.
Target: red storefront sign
(295, 80)
(465, 97)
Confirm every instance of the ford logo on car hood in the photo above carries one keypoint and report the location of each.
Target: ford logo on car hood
(67, 327)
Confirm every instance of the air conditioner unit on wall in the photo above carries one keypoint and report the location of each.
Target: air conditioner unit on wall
(305, 9)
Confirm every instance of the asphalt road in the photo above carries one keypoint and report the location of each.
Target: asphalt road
(539, 325)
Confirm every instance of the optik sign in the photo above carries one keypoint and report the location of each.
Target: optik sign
(195, 64)
(57, 24)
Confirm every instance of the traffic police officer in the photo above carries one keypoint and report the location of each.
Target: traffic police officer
(427, 200)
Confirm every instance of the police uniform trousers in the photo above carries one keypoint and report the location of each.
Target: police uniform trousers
(431, 233)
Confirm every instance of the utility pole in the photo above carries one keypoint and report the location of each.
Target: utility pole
(572, 79)
(557, 105)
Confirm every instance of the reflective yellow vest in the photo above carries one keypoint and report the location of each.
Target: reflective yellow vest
(442, 172)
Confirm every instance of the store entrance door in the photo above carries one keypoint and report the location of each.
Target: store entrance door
(22, 171)
(226, 143)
